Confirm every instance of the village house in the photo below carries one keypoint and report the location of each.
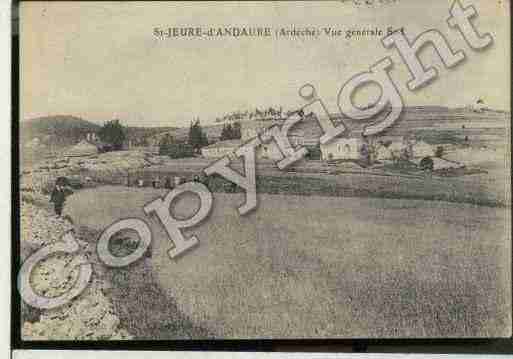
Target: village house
(349, 148)
(92, 137)
(300, 135)
(220, 149)
(406, 148)
(307, 136)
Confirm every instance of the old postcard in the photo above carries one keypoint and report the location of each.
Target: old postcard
(264, 170)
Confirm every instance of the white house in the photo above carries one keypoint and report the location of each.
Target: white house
(220, 149)
(413, 149)
(390, 152)
(343, 149)
(267, 151)
(270, 150)
(92, 137)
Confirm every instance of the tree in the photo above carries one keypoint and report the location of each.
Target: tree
(113, 134)
(197, 138)
(169, 147)
(225, 132)
(427, 164)
(236, 131)
(439, 152)
(166, 140)
(230, 132)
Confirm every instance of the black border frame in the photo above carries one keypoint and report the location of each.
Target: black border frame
(434, 346)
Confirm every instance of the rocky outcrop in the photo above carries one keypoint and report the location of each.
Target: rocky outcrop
(88, 316)
(110, 167)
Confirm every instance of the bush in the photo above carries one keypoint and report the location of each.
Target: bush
(314, 152)
(113, 133)
(427, 164)
(439, 152)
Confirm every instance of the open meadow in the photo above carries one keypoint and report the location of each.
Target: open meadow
(334, 250)
(321, 266)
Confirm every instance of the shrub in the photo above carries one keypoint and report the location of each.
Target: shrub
(439, 152)
(427, 164)
(113, 133)
(314, 152)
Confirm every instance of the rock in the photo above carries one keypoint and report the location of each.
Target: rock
(89, 316)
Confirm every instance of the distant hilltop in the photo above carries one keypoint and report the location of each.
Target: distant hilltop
(58, 130)
(61, 131)
(65, 130)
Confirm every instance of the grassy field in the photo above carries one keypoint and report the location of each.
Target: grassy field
(488, 187)
(320, 267)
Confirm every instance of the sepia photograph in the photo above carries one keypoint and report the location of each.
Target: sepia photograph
(264, 170)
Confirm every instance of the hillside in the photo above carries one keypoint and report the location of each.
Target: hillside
(55, 131)
(58, 132)
(413, 118)
(213, 132)
(61, 130)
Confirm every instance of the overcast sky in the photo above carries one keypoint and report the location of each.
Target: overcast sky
(101, 61)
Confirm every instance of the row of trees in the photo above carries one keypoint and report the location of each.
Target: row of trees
(113, 134)
(269, 113)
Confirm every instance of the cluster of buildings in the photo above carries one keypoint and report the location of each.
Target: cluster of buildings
(251, 129)
(92, 145)
(351, 147)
